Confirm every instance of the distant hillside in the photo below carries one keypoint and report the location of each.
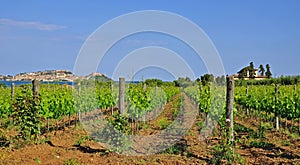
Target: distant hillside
(98, 76)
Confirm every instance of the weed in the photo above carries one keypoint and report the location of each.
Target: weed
(3, 157)
(199, 124)
(224, 152)
(72, 161)
(106, 152)
(4, 142)
(242, 129)
(286, 143)
(262, 144)
(173, 150)
(178, 149)
(163, 123)
(175, 113)
(144, 126)
(57, 152)
(293, 136)
(191, 133)
(82, 140)
(44, 140)
(37, 160)
(111, 135)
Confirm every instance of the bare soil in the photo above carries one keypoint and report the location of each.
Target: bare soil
(72, 145)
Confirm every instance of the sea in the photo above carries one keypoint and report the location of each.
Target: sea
(8, 83)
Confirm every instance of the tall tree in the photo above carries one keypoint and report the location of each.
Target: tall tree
(251, 70)
(261, 69)
(268, 72)
(251, 65)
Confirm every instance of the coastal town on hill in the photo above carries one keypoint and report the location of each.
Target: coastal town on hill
(47, 76)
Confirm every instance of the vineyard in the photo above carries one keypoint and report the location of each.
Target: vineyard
(60, 123)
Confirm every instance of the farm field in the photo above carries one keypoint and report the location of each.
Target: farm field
(150, 83)
(49, 132)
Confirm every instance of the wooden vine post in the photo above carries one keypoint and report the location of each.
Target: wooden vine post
(145, 87)
(121, 95)
(144, 116)
(201, 114)
(276, 111)
(77, 112)
(12, 91)
(111, 91)
(35, 91)
(295, 90)
(229, 107)
(247, 91)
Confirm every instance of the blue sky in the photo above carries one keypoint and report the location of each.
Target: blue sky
(42, 35)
